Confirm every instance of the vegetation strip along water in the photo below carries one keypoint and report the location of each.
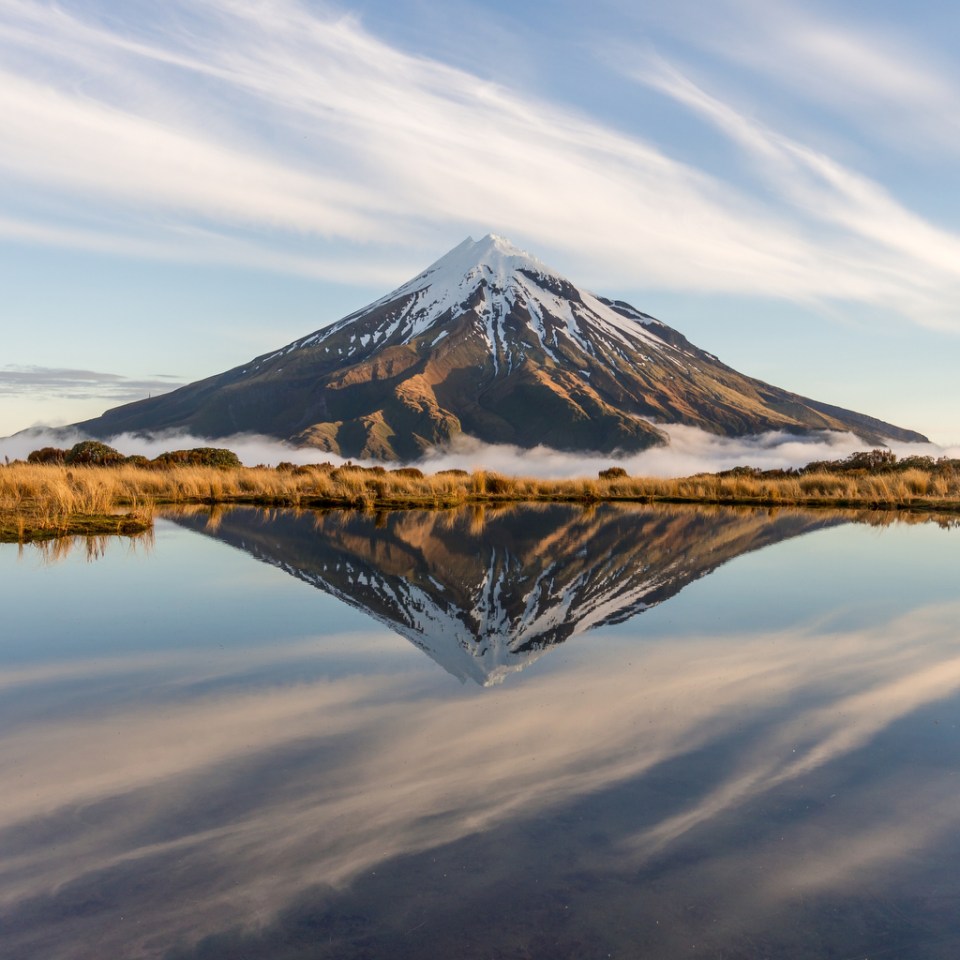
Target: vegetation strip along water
(93, 489)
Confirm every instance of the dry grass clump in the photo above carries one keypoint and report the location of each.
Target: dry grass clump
(38, 502)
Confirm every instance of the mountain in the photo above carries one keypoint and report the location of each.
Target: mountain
(490, 343)
(484, 593)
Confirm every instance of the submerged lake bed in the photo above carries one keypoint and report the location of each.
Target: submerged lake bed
(542, 731)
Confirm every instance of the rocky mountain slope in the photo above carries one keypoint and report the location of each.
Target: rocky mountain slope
(491, 343)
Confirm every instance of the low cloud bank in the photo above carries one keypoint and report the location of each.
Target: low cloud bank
(690, 451)
(252, 449)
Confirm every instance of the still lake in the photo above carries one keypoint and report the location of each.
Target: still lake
(534, 732)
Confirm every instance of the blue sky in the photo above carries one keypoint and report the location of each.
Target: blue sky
(188, 185)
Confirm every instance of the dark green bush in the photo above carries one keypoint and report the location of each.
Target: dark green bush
(741, 472)
(93, 452)
(198, 457)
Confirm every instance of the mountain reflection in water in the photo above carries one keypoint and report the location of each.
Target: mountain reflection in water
(204, 760)
(485, 592)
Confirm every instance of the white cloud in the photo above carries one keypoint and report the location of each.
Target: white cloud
(72, 143)
(280, 129)
(877, 76)
(690, 451)
(250, 448)
(886, 253)
(375, 767)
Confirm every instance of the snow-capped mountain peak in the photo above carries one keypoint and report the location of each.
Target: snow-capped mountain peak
(493, 259)
(493, 263)
(493, 279)
(491, 343)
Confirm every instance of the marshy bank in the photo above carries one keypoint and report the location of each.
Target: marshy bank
(73, 492)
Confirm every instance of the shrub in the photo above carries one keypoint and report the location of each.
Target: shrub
(47, 455)
(613, 473)
(199, 457)
(737, 472)
(868, 461)
(871, 460)
(916, 463)
(309, 469)
(411, 473)
(93, 452)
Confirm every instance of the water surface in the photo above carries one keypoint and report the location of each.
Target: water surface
(533, 732)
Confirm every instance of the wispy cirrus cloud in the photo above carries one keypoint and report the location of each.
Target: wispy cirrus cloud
(279, 134)
(907, 261)
(881, 79)
(392, 140)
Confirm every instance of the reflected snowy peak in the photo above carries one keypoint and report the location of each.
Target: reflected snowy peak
(485, 592)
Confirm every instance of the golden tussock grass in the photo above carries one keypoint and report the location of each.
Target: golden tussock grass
(39, 500)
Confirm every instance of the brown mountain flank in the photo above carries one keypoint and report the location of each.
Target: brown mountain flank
(492, 344)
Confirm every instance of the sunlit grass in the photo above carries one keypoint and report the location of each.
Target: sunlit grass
(43, 500)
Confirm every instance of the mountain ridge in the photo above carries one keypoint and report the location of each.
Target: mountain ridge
(491, 343)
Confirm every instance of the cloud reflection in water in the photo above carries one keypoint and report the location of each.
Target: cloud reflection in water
(734, 771)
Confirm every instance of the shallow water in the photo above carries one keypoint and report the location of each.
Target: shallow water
(532, 732)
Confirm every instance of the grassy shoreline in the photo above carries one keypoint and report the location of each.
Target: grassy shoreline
(43, 501)
(31, 525)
